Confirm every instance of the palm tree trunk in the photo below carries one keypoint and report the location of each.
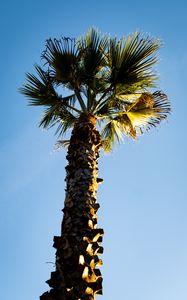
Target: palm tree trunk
(76, 276)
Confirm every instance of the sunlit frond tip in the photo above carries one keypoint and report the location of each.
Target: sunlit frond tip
(149, 111)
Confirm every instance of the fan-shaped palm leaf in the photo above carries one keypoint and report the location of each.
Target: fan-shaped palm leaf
(92, 50)
(148, 110)
(131, 60)
(93, 60)
(61, 56)
(39, 89)
(63, 117)
(41, 92)
(145, 112)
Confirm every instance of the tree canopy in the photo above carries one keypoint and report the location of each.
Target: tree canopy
(111, 78)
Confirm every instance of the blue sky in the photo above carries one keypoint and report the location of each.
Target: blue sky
(143, 198)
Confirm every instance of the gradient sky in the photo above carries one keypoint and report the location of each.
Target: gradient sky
(144, 195)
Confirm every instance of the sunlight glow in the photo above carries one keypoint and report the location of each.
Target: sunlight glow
(90, 224)
(96, 237)
(81, 260)
(89, 249)
(99, 263)
(89, 291)
(139, 119)
(85, 273)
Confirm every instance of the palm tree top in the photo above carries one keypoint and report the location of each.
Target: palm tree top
(112, 79)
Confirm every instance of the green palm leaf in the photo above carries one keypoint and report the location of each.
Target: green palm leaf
(92, 64)
(62, 144)
(131, 60)
(62, 58)
(92, 50)
(53, 115)
(39, 89)
(41, 92)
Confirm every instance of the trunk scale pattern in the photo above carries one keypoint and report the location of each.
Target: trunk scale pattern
(77, 276)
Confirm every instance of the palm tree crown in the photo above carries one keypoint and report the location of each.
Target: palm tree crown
(109, 78)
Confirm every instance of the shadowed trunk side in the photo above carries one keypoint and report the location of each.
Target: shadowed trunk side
(77, 249)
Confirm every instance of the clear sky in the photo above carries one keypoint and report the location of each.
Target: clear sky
(144, 196)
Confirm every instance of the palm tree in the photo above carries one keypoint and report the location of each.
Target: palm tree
(92, 81)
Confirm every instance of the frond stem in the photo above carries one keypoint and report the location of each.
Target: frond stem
(73, 108)
(81, 102)
(111, 115)
(88, 98)
(99, 102)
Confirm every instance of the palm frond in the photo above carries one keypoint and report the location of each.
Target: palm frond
(65, 123)
(61, 117)
(128, 98)
(148, 111)
(61, 144)
(39, 89)
(69, 100)
(106, 145)
(49, 119)
(125, 125)
(131, 62)
(62, 58)
(92, 48)
(111, 133)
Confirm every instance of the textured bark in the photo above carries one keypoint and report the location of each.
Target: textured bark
(78, 247)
